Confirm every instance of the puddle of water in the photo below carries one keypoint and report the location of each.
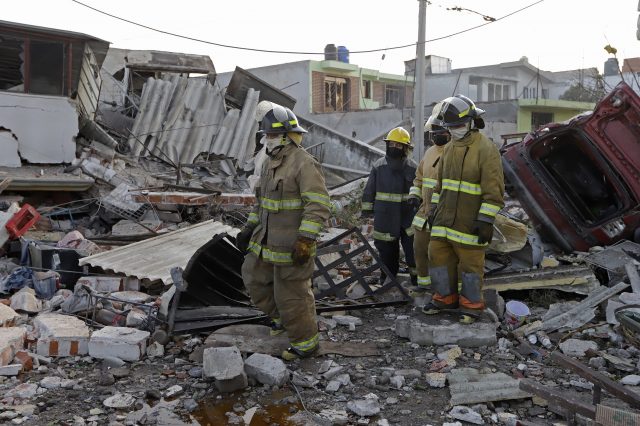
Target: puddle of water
(211, 412)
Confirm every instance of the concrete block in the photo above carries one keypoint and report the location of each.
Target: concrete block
(61, 335)
(226, 366)
(402, 326)
(465, 335)
(11, 341)
(10, 370)
(8, 316)
(436, 380)
(576, 347)
(103, 284)
(26, 301)
(266, 369)
(128, 344)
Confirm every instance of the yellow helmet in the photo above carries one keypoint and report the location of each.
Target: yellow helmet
(399, 135)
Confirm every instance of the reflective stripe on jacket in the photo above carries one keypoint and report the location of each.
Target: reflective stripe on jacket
(470, 187)
(386, 194)
(292, 201)
(424, 183)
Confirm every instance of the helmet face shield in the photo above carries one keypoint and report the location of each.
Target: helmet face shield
(280, 120)
(457, 111)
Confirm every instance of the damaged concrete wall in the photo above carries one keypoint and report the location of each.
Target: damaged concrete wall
(45, 128)
(365, 124)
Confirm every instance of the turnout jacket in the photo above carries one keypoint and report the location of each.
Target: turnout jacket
(424, 182)
(292, 201)
(469, 187)
(386, 194)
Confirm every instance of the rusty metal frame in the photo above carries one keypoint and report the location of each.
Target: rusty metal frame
(346, 256)
(574, 406)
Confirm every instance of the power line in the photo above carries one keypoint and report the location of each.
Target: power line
(289, 52)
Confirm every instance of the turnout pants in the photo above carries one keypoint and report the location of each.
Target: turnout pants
(421, 239)
(283, 292)
(390, 254)
(445, 261)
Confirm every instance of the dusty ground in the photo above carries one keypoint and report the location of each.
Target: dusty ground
(415, 403)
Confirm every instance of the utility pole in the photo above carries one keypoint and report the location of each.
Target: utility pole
(418, 95)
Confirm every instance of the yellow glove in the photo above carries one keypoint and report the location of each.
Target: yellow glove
(302, 250)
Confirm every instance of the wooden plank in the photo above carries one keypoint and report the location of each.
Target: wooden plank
(5, 184)
(256, 338)
(558, 397)
(614, 388)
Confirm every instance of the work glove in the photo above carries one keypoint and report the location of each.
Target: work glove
(302, 250)
(484, 231)
(243, 238)
(414, 203)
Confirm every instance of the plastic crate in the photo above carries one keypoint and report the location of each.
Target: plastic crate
(20, 223)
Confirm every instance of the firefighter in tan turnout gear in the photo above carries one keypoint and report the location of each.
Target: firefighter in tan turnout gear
(280, 234)
(422, 189)
(468, 194)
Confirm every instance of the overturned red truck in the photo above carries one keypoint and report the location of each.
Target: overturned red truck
(579, 181)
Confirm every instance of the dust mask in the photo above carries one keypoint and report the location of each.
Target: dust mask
(273, 143)
(459, 132)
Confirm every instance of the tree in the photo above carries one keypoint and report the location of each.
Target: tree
(591, 92)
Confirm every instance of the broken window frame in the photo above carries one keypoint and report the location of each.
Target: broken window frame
(538, 119)
(367, 89)
(394, 94)
(336, 93)
(68, 45)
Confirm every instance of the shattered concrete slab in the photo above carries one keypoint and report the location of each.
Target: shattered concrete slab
(451, 333)
(472, 386)
(128, 344)
(9, 149)
(52, 140)
(61, 335)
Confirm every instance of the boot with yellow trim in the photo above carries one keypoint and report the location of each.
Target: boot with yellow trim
(433, 308)
(276, 328)
(291, 353)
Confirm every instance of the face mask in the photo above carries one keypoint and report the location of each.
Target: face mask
(273, 144)
(393, 152)
(440, 139)
(458, 133)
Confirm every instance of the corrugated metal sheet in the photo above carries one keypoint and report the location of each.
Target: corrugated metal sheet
(179, 118)
(152, 259)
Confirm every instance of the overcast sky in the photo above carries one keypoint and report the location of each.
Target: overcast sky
(555, 34)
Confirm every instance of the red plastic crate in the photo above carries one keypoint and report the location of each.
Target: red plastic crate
(20, 223)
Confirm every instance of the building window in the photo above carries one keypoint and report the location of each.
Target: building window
(491, 90)
(540, 119)
(506, 92)
(367, 91)
(34, 66)
(394, 95)
(525, 93)
(336, 96)
(545, 93)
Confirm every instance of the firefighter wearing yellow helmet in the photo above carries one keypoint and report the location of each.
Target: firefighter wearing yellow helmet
(386, 198)
(280, 234)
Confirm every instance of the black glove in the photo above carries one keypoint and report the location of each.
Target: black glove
(484, 231)
(243, 238)
(414, 203)
(432, 217)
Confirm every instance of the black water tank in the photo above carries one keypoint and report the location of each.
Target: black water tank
(611, 67)
(330, 52)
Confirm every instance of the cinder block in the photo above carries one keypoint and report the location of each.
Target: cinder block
(226, 366)
(266, 369)
(61, 335)
(128, 344)
(11, 341)
(466, 335)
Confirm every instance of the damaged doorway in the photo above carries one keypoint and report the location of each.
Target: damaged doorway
(582, 179)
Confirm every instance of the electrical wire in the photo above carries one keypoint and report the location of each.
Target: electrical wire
(291, 52)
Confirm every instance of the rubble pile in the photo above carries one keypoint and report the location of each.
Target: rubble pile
(122, 302)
